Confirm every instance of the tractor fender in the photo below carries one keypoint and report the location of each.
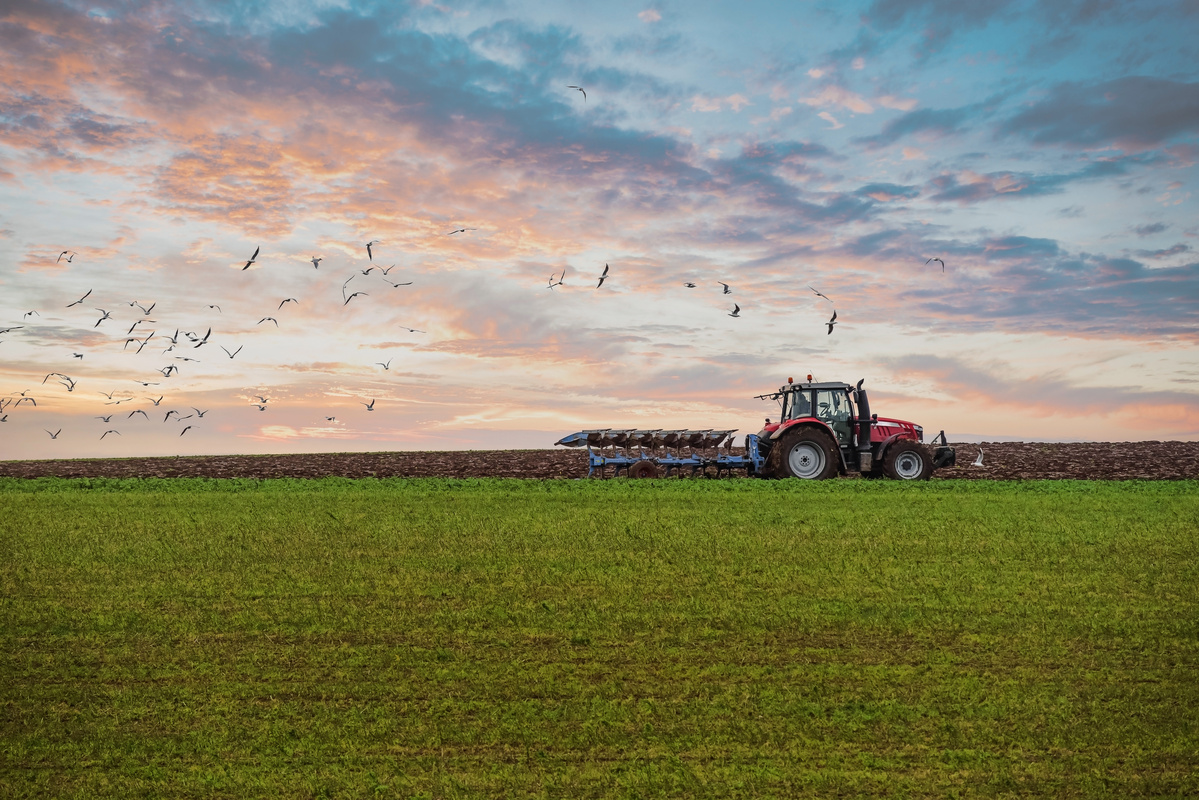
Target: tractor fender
(811, 422)
(881, 452)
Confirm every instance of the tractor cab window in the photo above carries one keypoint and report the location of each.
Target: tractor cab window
(832, 407)
(798, 404)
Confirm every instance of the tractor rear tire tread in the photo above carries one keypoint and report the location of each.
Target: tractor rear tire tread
(907, 460)
(778, 463)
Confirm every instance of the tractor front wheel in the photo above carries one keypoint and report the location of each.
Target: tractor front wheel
(806, 454)
(907, 461)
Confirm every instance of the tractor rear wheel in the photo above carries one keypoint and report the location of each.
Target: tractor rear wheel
(806, 454)
(643, 469)
(908, 461)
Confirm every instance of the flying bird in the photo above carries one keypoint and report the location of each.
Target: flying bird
(351, 297)
(235, 352)
(106, 316)
(931, 260)
(316, 262)
(169, 413)
(63, 253)
(118, 433)
(978, 462)
(201, 341)
(272, 319)
(369, 406)
(727, 290)
(15, 328)
(253, 258)
(167, 370)
(146, 311)
(736, 312)
(55, 434)
(77, 355)
(371, 256)
(80, 300)
(818, 294)
(138, 411)
(260, 408)
(23, 400)
(105, 419)
(580, 88)
(832, 321)
(366, 271)
(199, 413)
(218, 308)
(602, 277)
(461, 230)
(385, 366)
(262, 399)
(389, 269)
(412, 330)
(398, 285)
(689, 285)
(155, 402)
(29, 313)
(288, 300)
(330, 419)
(185, 430)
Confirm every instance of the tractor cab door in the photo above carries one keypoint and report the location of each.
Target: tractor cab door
(834, 409)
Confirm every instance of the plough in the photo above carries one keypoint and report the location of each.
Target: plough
(669, 451)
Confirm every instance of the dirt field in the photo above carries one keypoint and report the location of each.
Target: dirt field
(1008, 460)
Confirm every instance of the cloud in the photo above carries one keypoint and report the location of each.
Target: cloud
(970, 187)
(649, 15)
(1132, 113)
(1169, 252)
(929, 123)
(1149, 229)
(709, 104)
(838, 97)
(886, 192)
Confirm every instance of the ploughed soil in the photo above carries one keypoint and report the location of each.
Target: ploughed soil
(1001, 460)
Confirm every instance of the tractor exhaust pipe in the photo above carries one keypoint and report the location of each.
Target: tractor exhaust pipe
(865, 452)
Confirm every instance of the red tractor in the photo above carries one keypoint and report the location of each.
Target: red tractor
(826, 429)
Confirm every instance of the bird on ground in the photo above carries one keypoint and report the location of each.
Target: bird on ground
(461, 230)
(288, 300)
(252, 260)
(736, 312)
(371, 256)
(579, 88)
(235, 352)
(978, 461)
(55, 434)
(385, 366)
(351, 297)
(106, 316)
(77, 302)
(272, 319)
(138, 411)
(316, 262)
(727, 290)
(931, 260)
(30, 313)
(832, 321)
(818, 294)
(369, 406)
(602, 277)
(63, 253)
(118, 433)
(185, 430)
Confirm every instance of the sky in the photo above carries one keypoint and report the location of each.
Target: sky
(1044, 151)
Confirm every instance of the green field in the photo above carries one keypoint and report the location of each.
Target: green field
(504, 638)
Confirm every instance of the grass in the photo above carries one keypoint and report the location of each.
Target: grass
(440, 638)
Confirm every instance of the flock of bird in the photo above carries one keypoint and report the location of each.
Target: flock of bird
(192, 340)
(178, 343)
